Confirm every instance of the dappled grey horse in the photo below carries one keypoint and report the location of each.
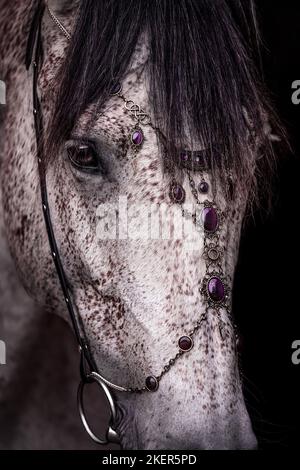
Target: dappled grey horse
(134, 140)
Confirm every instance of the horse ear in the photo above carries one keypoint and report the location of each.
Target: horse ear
(63, 7)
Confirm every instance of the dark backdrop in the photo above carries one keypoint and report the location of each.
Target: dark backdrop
(267, 285)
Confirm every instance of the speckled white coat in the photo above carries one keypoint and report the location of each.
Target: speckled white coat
(135, 297)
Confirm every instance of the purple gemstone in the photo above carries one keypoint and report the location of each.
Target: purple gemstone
(216, 289)
(185, 343)
(184, 156)
(177, 193)
(137, 137)
(203, 187)
(151, 383)
(116, 88)
(199, 159)
(210, 219)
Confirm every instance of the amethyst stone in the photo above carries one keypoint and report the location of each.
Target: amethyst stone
(198, 160)
(216, 289)
(151, 383)
(184, 156)
(185, 343)
(203, 187)
(137, 137)
(210, 219)
(116, 88)
(177, 193)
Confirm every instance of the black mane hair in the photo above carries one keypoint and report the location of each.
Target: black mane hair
(203, 78)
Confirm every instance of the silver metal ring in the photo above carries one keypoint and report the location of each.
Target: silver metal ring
(111, 435)
(118, 388)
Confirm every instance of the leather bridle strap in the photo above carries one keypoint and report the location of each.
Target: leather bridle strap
(88, 367)
(35, 38)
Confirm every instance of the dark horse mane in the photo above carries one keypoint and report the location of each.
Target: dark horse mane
(203, 78)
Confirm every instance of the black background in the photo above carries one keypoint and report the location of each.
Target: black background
(267, 284)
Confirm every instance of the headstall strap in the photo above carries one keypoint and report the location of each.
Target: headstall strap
(34, 57)
(34, 48)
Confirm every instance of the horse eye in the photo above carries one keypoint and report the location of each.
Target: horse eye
(84, 157)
